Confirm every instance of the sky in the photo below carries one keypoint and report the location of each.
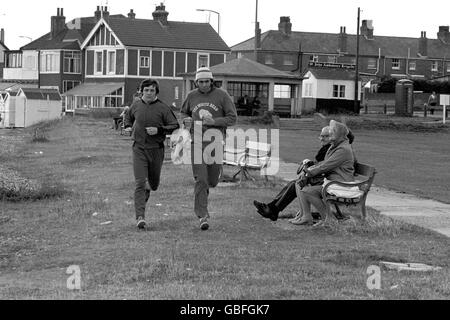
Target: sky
(25, 19)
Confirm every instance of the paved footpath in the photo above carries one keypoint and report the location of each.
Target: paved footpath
(426, 213)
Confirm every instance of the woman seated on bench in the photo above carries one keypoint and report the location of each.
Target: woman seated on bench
(338, 165)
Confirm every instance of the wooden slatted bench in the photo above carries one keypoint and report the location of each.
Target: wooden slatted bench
(364, 176)
(255, 156)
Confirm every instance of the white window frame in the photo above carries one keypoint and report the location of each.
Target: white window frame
(412, 65)
(52, 58)
(395, 64)
(282, 91)
(372, 63)
(96, 72)
(108, 62)
(308, 90)
(199, 54)
(146, 60)
(338, 91)
(448, 66)
(314, 58)
(434, 66)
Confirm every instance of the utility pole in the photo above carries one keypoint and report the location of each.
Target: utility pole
(356, 104)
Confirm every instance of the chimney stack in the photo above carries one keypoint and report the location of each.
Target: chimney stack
(2, 35)
(105, 12)
(160, 14)
(342, 46)
(444, 34)
(131, 14)
(285, 26)
(98, 13)
(367, 29)
(423, 44)
(58, 23)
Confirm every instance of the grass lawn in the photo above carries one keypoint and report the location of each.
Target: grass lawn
(87, 166)
(412, 162)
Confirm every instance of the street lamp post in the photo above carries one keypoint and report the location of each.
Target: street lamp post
(218, 18)
(31, 39)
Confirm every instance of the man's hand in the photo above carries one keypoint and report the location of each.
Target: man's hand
(151, 131)
(187, 122)
(209, 121)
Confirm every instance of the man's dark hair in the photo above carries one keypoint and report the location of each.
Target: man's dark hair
(148, 83)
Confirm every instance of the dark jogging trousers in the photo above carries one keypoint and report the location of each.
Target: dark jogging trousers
(147, 164)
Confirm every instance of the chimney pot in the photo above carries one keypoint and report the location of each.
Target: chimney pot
(131, 14)
(2, 35)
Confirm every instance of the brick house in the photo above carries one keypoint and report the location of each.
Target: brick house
(379, 56)
(120, 52)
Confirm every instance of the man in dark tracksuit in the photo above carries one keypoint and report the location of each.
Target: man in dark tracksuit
(150, 120)
(207, 107)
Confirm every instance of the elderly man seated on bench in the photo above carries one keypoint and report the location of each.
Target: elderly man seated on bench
(338, 165)
(272, 209)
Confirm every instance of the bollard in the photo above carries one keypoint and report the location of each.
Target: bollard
(366, 109)
(385, 109)
(424, 110)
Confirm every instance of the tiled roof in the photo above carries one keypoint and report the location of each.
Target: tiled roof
(178, 35)
(314, 42)
(66, 39)
(94, 89)
(41, 94)
(244, 67)
(332, 73)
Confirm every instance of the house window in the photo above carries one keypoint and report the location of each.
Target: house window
(396, 64)
(114, 99)
(111, 62)
(239, 55)
(14, 60)
(72, 62)
(268, 59)
(203, 60)
(99, 62)
(314, 58)
(434, 66)
(144, 62)
(282, 91)
(338, 91)
(332, 59)
(176, 93)
(287, 60)
(448, 66)
(308, 90)
(50, 62)
(69, 84)
(372, 63)
(412, 65)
